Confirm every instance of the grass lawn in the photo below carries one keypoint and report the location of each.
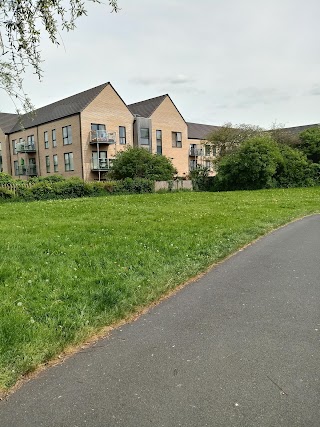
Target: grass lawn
(70, 267)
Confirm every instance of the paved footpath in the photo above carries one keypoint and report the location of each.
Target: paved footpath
(239, 347)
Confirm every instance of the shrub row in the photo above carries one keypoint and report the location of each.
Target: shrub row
(60, 188)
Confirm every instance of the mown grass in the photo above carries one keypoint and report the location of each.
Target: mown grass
(69, 267)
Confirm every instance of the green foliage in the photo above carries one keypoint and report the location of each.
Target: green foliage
(282, 135)
(134, 186)
(229, 137)
(201, 181)
(5, 178)
(6, 194)
(140, 163)
(252, 167)
(294, 170)
(310, 144)
(22, 26)
(262, 163)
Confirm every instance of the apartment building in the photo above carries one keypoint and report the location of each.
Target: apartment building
(80, 135)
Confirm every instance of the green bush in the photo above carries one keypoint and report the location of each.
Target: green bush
(295, 170)
(134, 186)
(6, 194)
(140, 163)
(5, 178)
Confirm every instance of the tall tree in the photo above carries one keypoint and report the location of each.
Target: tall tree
(22, 24)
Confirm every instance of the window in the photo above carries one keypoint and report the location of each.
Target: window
(177, 139)
(122, 135)
(98, 132)
(101, 162)
(48, 164)
(67, 135)
(46, 139)
(159, 141)
(55, 163)
(14, 146)
(214, 150)
(16, 167)
(68, 162)
(207, 150)
(193, 165)
(54, 138)
(32, 168)
(144, 136)
(208, 164)
(30, 140)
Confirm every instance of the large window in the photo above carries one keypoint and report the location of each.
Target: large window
(67, 135)
(207, 150)
(144, 136)
(46, 139)
(101, 162)
(54, 138)
(14, 146)
(16, 167)
(159, 141)
(30, 140)
(68, 162)
(177, 139)
(98, 132)
(55, 163)
(48, 164)
(122, 135)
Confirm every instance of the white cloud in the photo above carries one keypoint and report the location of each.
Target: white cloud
(248, 61)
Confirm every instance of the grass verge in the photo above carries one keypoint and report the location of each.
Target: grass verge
(70, 267)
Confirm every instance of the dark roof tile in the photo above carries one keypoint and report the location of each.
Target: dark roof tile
(7, 121)
(65, 107)
(147, 107)
(200, 131)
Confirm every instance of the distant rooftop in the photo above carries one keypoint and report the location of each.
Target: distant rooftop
(147, 107)
(65, 107)
(200, 131)
(7, 121)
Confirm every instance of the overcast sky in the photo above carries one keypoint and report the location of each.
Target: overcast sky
(239, 61)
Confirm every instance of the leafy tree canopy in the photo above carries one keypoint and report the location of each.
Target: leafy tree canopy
(22, 24)
(140, 163)
(229, 137)
(310, 144)
(261, 162)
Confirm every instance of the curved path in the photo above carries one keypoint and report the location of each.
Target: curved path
(239, 347)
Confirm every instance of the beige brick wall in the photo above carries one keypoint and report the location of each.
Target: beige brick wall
(6, 164)
(108, 109)
(23, 156)
(202, 159)
(167, 119)
(60, 149)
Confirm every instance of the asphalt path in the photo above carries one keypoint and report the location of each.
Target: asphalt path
(238, 347)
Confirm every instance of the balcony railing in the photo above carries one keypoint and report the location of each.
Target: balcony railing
(101, 165)
(102, 136)
(196, 152)
(25, 148)
(30, 170)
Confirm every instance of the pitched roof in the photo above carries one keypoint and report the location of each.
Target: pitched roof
(298, 129)
(7, 121)
(200, 131)
(63, 108)
(147, 107)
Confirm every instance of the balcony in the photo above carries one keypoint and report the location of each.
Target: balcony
(101, 165)
(195, 152)
(25, 148)
(30, 170)
(102, 137)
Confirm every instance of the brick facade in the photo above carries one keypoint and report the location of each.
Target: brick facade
(63, 144)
